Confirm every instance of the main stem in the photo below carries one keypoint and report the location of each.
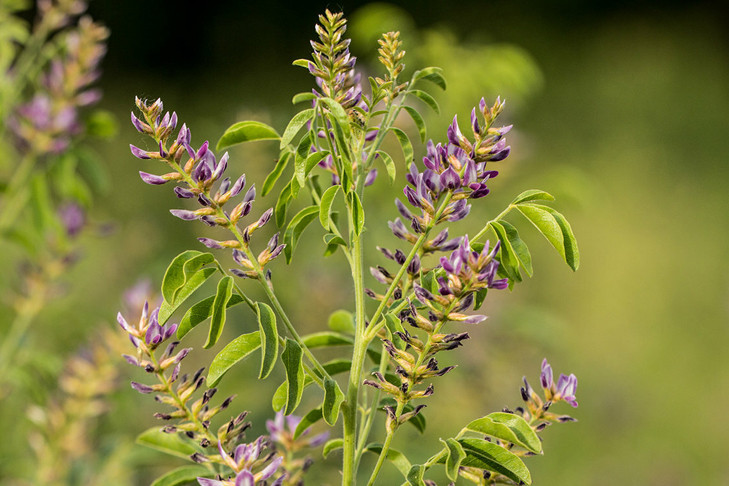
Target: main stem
(360, 346)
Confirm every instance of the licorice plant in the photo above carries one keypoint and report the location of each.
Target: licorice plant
(423, 306)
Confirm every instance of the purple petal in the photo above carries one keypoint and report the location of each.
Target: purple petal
(245, 478)
(450, 179)
(209, 482)
(371, 176)
(138, 124)
(210, 243)
(139, 153)
(238, 186)
(269, 470)
(184, 214)
(183, 193)
(141, 388)
(152, 179)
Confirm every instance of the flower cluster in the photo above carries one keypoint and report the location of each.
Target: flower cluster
(537, 409)
(333, 65)
(48, 122)
(201, 177)
(250, 465)
(282, 431)
(193, 418)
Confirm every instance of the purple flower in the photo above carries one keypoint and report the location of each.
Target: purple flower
(73, 218)
(564, 389)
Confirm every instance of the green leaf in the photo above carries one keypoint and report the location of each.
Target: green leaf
(275, 174)
(517, 244)
(427, 99)
(220, 304)
(337, 366)
(487, 455)
(200, 312)
(432, 74)
(291, 358)
(305, 165)
(307, 421)
(332, 445)
(325, 208)
(182, 475)
(298, 121)
(556, 229)
(325, 339)
(419, 122)
(339, 113)
(304, 63)
(389, 165)
(341, 321)
(232, 353)
(515, 431)
(175, 276)
(282, 204)
(407, 147)
(269, 338)
(357, 212)
(396, 457)
(246, 131)
(455, 456)
(333, 242)
(415, 475)
(532, 195)
(303, 150)
(171, 444)
(507, 257)
(193, 283)
(297, 226)
(333, 398)
(301, 97)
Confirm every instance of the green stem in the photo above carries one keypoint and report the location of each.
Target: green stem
(486, 227)
(386, 445)
(403, 268)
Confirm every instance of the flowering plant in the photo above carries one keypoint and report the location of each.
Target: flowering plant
(432, 289)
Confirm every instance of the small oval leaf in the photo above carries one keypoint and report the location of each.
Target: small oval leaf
(291, 358)
(419, 122)
(483, 454)
(182, 475)
(332, 445)
(397, 458)
(333, 398)
(407, 147)
(200, 312)
(325, 207)
(171, 444)
(455, 456)
(220, 306)
(298, 121)
(307, 421)
(246, 131)
(269, 338)
(232, 353)
(532, 195)
(341, 321)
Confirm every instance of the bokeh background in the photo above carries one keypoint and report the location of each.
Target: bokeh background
(621, 111)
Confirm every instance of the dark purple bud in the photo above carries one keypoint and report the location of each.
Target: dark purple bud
(479, 190)
(412, 175)
(250, 194)
(412, 197)
(184, 214)
(141, 388)
(202, 172)
(422, 294)
(499, 284)
(460, 210)
(414, 266)
(204, 200)
(162, 152)
(398, 229)
(222, 165)
(500, 155)
(371, 176)
(139, 153)
(202, 151)
(265, 217)
(273, 242)
(183, 193)
(183, 137)
(388, 254)
(208, 220)
(238, 273)
(152, 179)
(277, 251)
(138, 124)
(454, 132)
(379, 275)
(404, 211)
(443, 287)
(210, 243)
(431, 180)
(474, 122)
(450, 179)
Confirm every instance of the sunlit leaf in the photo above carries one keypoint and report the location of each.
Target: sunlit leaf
(307, 421)
(171, 444)
(298, 121)
(297, 226)
(325, 207)
(427, 99)
(269, 338)
(333, 398)
(487, 455)
(407, 147)
(275, 174)
(246, 131)
(389, 165)
(182, 475)
(433, 74)
(396, 457)
(510, 428)
(200, 312)
(341, 321)
(419, 122)
(232, 353)
(220, 305)
(532, 195)
(454, 458)
(291, 358)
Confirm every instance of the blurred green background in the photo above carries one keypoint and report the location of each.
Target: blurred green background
(620, 111)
